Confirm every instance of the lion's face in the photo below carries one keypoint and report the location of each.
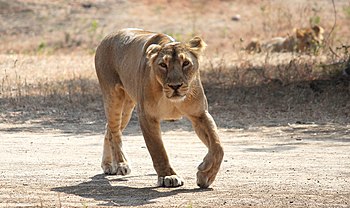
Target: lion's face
(310, 38)
(254, 46)
(175, 66)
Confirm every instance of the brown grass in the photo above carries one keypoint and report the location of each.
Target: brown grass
(33, 27)
(287, 92)
(46, 76)
(48, 68)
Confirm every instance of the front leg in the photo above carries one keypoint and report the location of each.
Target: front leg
(152, 134)
(205, 127)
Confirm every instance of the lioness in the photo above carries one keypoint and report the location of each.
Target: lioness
(161, 78)
(303, 40)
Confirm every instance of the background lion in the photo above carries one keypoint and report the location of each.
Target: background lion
(303, 40)
(160, 77)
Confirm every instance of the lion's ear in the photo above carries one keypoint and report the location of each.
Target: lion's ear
(152, 50)
(197, 45)
(300, 33)
(317, 29)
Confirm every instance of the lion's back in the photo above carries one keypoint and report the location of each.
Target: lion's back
(121, 58)
(117, 46)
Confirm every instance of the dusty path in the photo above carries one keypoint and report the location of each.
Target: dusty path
(290, 166)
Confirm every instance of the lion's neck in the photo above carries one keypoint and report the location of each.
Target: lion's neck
(152, 89)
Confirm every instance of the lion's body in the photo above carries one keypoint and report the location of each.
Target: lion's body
(303, 40)
(282, 44)
(127, 65)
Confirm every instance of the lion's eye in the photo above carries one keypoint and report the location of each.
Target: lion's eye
(163, 65)
(185, 63)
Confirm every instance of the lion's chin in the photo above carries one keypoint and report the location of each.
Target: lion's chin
(177, 98)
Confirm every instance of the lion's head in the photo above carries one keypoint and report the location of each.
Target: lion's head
(175, 66)
(310, 38)
(253, 46)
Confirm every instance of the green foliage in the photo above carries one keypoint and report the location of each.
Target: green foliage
(45, 48)
(41, 47)
(94, 26)
(177, 36)
(158, 9)
(315, 20)
(95, 35)
(346, 11)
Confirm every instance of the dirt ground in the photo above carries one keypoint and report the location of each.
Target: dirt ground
(285, 145)
(284, 126)
(297, 165)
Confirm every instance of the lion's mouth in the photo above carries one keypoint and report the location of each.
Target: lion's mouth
(175, 93)
(176, 96)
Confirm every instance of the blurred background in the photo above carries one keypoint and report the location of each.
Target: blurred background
(32, 26)
(47, 48)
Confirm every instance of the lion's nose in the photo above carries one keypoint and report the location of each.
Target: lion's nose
(175, 86)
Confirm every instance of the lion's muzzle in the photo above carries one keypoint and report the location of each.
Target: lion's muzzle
(176, 91)
(176, 86)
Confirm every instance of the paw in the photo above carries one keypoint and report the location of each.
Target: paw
(208, 169)
(123, 169)
(120, 169)
(204, 180)
(109, 169)
(170, 181)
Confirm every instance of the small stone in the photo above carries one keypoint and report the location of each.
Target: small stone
(236, 18)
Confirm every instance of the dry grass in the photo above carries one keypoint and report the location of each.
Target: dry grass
(59, 26)
(286, 68)
(291, 91)
(38, 86)
(66, 77)
(39, 76)
(296, 91)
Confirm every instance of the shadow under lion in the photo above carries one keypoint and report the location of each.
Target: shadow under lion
(100, 188)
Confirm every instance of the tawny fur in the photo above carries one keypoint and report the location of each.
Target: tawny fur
(161, 78)
(303, 40)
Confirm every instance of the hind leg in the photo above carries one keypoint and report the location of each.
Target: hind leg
(114, 159)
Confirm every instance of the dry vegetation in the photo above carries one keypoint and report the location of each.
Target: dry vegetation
(284, 117)
(47, 52)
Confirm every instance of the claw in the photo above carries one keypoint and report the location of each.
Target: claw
(123, 169)
(170, 181)
(108, 169)
(120, 169)
(202, 180)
